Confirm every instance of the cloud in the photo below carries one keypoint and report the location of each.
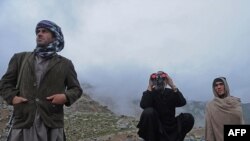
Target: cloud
(115, 45)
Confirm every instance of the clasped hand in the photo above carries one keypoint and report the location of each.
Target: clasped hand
(55, 99)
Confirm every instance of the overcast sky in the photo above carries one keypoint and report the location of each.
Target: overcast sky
(116, 44)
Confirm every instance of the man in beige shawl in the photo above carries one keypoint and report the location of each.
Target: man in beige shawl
(222, 110)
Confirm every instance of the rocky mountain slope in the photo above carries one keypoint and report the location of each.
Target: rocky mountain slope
(87, 120)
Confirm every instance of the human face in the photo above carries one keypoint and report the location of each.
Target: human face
(44, 37)
(219, 88)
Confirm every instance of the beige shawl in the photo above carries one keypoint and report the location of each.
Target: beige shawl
(220, 112)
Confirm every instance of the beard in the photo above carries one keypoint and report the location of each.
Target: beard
(42, 44)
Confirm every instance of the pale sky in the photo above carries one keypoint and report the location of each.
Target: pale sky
(116, 44)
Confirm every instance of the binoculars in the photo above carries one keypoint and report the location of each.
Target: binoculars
(158, 80)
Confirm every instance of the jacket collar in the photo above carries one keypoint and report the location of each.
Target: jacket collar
(52, 62)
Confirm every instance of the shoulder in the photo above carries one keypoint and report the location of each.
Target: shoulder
(234, 101)
(147, 92)
(171, 91)
(19, 56)
(22, 53)
(234, 98)
(64, 59)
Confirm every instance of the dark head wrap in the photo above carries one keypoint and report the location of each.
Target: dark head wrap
(218, 80)
(56, 45)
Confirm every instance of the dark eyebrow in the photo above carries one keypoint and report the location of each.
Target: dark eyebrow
(42, 29)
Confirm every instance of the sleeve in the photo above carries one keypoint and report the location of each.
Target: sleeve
(74, 90)
(8, 82)
(147, 99)
(180, 100)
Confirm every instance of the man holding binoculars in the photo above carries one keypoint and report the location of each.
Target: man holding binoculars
(158, 121)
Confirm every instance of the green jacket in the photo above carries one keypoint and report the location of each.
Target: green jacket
(60, 77)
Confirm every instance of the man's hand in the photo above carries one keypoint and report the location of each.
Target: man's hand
(19, 99)
(170, 82)
(57, 99)
(150, 85)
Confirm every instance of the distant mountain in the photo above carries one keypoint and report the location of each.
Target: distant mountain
(87, 105)
(197, 109)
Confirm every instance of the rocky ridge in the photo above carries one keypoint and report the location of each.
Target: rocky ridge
(87, 120)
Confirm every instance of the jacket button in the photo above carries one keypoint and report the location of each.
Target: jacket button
(34, 84)
(37, 99)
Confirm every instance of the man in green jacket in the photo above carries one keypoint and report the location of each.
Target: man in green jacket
(48, 82)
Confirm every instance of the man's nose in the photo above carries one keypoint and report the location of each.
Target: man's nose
(219, 87)
(39, 34)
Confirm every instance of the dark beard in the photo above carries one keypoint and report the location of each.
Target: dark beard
(41, 45)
